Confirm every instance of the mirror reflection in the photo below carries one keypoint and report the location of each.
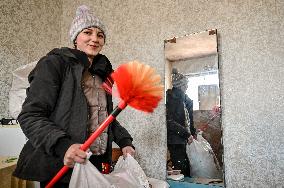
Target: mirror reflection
(193, 106)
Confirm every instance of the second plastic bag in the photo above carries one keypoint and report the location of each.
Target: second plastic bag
(203, 162)
(127, 173)
(17, 92)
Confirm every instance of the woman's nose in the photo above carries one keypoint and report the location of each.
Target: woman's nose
(94, 38)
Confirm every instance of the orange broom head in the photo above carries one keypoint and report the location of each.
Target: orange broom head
(138, 85)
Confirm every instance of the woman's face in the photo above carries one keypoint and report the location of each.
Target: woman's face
(90, 41)
(184, 87)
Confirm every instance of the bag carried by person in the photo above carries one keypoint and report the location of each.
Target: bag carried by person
(127, 173)
(203, 162)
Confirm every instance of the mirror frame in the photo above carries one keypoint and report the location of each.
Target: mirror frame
(168, 82)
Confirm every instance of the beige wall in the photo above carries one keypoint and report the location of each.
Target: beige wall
(29, 29)
(251, 59)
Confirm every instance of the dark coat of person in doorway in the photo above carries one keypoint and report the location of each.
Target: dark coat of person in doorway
(180, 128)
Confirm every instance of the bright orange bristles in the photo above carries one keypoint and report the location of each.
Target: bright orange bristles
(138, 85)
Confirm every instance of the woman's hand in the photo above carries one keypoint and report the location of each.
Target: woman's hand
(128, 149)
(74, 154)
(190, 139)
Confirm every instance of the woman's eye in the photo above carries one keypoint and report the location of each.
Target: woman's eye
(87, 32)
(101, 36)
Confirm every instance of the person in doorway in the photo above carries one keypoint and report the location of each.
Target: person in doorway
(180, 128)
(65, 104)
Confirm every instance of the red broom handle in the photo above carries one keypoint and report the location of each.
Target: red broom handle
(90, 140)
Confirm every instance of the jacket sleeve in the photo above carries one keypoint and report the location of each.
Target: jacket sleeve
(45, 84)
(189, 106)
(177, 129)
(174, 127)
(121, 136)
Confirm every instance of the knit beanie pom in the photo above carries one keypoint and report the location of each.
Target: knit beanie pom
(84, 19)
(174, 71)
(82, 10)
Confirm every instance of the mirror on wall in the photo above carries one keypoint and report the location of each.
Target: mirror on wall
(193, 106)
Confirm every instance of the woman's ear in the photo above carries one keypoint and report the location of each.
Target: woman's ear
(75, 44)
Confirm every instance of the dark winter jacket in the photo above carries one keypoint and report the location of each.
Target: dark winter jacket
(55, 113)
(177, 130)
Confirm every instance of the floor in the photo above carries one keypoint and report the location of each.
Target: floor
(191, 183)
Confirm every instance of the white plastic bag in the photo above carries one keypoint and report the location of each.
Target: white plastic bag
(17, 92)
(127, 174)
(87, 176)
(203, 162)
(131, 166)
(156, 183)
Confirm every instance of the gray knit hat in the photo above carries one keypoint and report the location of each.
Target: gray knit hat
(84, 19)
(178, 79)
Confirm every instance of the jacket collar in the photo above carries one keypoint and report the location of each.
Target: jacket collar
(177, 92)
(72, 53)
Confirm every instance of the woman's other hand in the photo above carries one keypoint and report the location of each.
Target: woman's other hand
(74, 154)
(128, 149)
(190, 139)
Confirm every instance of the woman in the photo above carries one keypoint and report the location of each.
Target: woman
(180, 128)
(65, 103)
